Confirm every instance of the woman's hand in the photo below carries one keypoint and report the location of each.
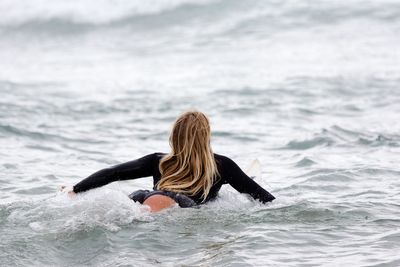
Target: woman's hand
(67, 190)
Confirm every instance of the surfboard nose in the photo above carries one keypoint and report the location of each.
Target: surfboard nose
(159, 202)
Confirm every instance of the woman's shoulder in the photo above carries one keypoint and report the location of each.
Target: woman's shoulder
(153, 157)
(157, 156)
(221, 159)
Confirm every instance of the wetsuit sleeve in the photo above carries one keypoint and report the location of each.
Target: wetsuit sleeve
(138, 168)
(243, 183)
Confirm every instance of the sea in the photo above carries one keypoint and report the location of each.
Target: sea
(307, 89)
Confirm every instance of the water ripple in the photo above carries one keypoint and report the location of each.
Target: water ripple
(338, 136)
(8, 130)
(310, 143)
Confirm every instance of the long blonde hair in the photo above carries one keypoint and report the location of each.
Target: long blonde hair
(190, 167)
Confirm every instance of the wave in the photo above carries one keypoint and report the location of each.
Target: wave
(9, 86)
(226, 17)
(310, 143)
(56, 17)
(111, 210)
(365, 137)
(305, 162)
(86, 11)
(9, 130)
(105, 208)
(339, 136)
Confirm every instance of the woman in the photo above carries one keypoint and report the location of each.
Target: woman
(191, 174)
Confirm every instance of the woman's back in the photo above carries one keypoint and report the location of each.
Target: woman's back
(229, 173)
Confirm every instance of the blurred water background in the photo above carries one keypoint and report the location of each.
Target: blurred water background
(309, 88)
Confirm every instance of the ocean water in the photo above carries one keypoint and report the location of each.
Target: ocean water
(309, 88)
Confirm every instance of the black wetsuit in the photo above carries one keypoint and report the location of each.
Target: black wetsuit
(229, 173)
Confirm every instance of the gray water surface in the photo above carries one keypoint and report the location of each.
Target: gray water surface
(309, 88)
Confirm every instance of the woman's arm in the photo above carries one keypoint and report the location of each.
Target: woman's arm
(138, 168)
(243, 183)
